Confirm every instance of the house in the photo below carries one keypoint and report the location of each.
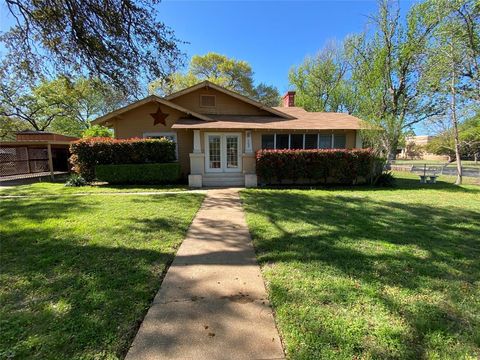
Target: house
(416, 149)
(218, 131)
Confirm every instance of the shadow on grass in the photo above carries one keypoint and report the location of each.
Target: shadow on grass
(416, 248)
(64, 296)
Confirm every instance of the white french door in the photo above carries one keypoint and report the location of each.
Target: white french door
(223, 152)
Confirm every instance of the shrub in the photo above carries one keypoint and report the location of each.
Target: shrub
(139, 173)
(75, 180)
(318, 166)
(87, 153)
(385, 179)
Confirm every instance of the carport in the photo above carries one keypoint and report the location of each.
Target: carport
(34, 154)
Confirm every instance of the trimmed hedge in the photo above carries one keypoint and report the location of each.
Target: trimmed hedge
(332, 166)
(87, 153)
(138, 173)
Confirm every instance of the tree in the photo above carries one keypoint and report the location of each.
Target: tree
(387, 69)
(119, 41)
(97, 131)
(321, 82)
(20, 103)
(59, 105)
(236, 75)
(469, 139)
(454, 63)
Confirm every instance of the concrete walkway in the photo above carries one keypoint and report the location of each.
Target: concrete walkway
(212, 303)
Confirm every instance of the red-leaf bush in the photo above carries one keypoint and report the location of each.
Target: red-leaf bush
(87, 153)
(333, 166)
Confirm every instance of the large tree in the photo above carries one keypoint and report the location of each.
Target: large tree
(322, 83)
(236, 75)
(60, 105)
(453, 64)
(118, 41)
(387, 68)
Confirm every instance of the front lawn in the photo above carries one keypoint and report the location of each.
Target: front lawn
(59, 188)
(78, 273)
(368, 273)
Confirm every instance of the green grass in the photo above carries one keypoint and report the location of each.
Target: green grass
(78, 273)
(368, 273)
(442, 179)
(57, 188)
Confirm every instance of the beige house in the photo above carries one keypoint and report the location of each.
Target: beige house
(218, 131)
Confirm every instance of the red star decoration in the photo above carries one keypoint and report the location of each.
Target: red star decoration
(159, 117)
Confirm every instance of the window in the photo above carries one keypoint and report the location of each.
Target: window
(163, 135)
(268, 141)
(296, 141)
(339, 141)
(303, 141)
(207, 100)
(282, 141)
(310, 141)
(324, 141)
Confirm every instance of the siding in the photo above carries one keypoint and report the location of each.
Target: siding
(225, 104)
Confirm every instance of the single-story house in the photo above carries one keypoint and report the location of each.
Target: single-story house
(218, 131)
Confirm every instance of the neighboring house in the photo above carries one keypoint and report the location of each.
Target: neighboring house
(415, 148)
(218, 131)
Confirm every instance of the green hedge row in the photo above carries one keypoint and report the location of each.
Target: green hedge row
(90, 152)
(330, 166)
(168, 173)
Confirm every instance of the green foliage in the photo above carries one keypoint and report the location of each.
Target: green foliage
(236, 75)
(123, 43)
(97, 131)
(387, 68)
(75, 180)
(87, 153)
(168, 173)
(385, 179)
(469, 136)
(318, 166)
(321, 82)
(61, 105)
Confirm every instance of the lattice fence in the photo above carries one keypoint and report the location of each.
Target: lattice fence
(22, 160)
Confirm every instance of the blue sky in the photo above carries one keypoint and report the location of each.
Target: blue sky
(271, 35)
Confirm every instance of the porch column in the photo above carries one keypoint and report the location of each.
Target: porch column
(50, 160)
(197, 162)
(358, 139)
(196, 142)
(248, 142)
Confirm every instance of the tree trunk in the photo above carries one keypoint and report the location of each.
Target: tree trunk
(392, 152)
(458, 181)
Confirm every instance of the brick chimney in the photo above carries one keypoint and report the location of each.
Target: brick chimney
(288, 99)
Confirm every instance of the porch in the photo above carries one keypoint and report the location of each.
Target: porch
(222, 159)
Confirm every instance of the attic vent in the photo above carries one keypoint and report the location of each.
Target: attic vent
(207, 100)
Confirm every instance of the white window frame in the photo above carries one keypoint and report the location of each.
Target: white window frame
(223, 154)
(173, 134)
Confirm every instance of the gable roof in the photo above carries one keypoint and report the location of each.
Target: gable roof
(208, 84)
(148, 99)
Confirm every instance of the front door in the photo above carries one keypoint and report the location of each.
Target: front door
(223, 152)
